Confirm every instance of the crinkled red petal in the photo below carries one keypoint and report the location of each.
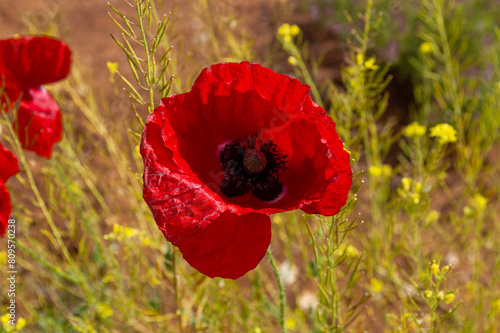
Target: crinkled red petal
(228, 246)
(339, 173)
(285, 92)
(31, 61)
(8, 161)
(5, 208)
(192, 216)
(39, 123)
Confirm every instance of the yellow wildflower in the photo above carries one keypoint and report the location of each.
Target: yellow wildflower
(425, 47)
(292, 60)
(375, 171)
(3, 258)
(360, 59)
(21, 322)
(104, 310)
(113, 68)
(414, 130)
(386, 170)
(440, 295)
(445, 133)
(370, 64)
(435, 268)
(432, 217)
(290, 323)
(449, 298)
(376, 285)
(406, 182)
(428, 293)
(480, 202)
(287, 31)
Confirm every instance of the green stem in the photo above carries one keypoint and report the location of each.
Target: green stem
(281, 288)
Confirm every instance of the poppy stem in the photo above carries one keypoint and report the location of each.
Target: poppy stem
(281, 288)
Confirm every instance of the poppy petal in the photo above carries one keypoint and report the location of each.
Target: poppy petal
(8, 161)
(339, 174)
(39, 123)
(192, 216)
(5, 208)
(228, 247)
(30, 61)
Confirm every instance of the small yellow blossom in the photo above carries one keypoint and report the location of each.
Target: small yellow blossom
(415, 197)
(495, 305)
(21, 322)
(378, 171)
(480, 202)
(146, 241)
(375, 171)
(294, 30)
(440, 295)
(449, 298)
(292, 60)
(445, 133)
(376, 285)
(104, 310)
(108, 278)
(287, 31)
(113, 68)
(370, 64)
(257, 330)
(348, 249)
(445, 269)
(277, 219)
(360, 59)
(386, 170)
(425, 47)
(414, 130)
(5, 320)
(290, 323)
(435, 268)
(428, 293)
(406, 182)
(3, 258)
(351, 251)
(432, 217)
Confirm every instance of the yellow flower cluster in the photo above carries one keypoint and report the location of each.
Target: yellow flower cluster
(380, 170)
(414, 130)
(287, 31)
(104, 310)
(409, 191)
(368, 64)
(445, 133)
(347, 249)
(8, 327)
(121, 233)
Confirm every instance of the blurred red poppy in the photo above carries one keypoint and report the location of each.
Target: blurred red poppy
(9, 168)
(38, 123)
(26, 63)
(244, 143)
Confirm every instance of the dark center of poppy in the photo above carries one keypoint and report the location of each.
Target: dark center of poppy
(254, 161)
(252, 165)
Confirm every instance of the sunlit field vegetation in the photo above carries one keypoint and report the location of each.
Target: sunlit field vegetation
(414, 90)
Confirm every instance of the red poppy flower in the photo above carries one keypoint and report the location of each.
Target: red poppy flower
(26, 64)
(39, 123)
(9, 168)
(244, 143)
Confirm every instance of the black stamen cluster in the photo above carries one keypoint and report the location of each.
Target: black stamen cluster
(264, 185)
